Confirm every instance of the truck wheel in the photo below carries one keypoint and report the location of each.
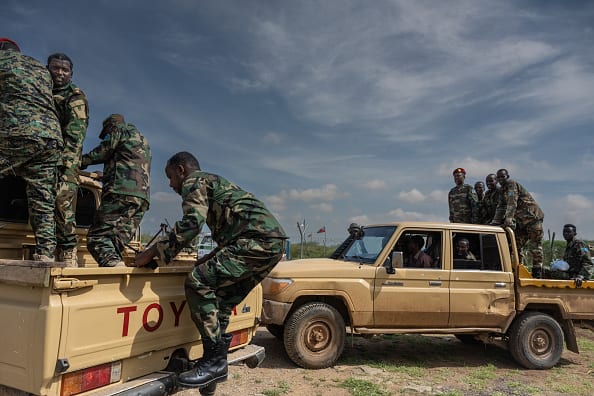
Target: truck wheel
(536, 341)
(276, 330)
(314, 336)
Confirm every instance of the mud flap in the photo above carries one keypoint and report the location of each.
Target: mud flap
(570, 337)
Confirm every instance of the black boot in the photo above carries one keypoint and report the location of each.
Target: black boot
(211, 368)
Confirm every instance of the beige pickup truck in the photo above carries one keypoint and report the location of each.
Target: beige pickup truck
(373, 284)
(97, 331)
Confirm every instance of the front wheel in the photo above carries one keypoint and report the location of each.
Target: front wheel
(314, 336)
(536, 341)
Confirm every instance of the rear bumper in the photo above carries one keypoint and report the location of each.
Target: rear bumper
(164, 383)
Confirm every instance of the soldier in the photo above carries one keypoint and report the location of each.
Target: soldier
(462, 200)
(250, 243)
(518, 210)
(577, 255)
(479, 189)
(30, 139)
(126, 156)
(490, 201)
(73, 113)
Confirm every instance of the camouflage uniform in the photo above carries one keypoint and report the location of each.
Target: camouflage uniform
(250, 243)
(518, 208)
(489, 205)
(463, 204)
(30, 140)
(578, 257)
(125, 197)
(73, 113)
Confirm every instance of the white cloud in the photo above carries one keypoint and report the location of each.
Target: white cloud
(273, 138)
(162, 196)
(402, 215)
(412, 196)
(360, 219)
(375, 184)
(323, 207)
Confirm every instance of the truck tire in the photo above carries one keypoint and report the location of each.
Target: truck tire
(276, 330)
(314, 336)
(536, 341)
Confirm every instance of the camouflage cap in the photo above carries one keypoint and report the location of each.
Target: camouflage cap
(459, 170)
(111, 122)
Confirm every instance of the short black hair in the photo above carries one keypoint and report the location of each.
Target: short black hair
(60, 56)
(183, 158)
(569, 226)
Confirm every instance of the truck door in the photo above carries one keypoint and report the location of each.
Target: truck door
(481, 291)
(415, 295)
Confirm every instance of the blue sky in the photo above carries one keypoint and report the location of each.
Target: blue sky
(340, 111)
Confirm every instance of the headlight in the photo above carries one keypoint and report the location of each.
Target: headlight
(275, 285)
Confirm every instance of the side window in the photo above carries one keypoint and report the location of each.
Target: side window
(420, 248)
(85, 207)
(13, 200)
(473, 251)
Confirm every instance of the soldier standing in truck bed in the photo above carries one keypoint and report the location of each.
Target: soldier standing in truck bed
(518, 210)
(73, 113)
(577, 255)
(491, 200)
(462, 200)
(125, 196)
(30, 139)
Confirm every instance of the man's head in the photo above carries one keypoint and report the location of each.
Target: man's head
(462, 246)
(502, 176)
(491, 181)
(110, 123)
(569, 232)
(61, 68)
(415, 243)
(479, 187)
(459, 176)
(178, 167)
(7, 44)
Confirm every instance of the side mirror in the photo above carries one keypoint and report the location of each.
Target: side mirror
(395, 261)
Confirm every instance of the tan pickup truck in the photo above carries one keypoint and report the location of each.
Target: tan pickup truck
(373, 284)
(97, 331)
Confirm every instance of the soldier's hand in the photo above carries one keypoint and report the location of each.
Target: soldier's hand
(578, 280)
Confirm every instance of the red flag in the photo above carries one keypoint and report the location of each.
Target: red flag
(321, 230)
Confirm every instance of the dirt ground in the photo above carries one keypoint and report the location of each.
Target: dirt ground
(411, 365)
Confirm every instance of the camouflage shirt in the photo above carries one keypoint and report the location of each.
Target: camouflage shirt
(73, 114)
(126, 156)
(517, 204)
(578, 257)
(489, 205)
(229, 212)
(26, 103)
(463, 204)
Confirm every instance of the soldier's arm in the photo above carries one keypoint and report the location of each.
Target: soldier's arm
(103, 151)
(188, 228)
(75, 130)
(511, 203)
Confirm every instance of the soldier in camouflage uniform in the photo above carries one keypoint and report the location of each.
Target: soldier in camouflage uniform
(518, 210)
(250, 243)
(30, 139)
(491, 200)
(462, 200)
(577, 255)
(125, 196)
(73, 113)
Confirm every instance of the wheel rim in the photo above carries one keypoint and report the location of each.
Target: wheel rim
(540, 343)
(317, 336)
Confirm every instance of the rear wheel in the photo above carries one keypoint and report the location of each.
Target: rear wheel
(536, 341)
(314, 336)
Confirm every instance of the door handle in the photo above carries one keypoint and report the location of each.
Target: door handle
(393, 283)
(434, 283)
(500, 285)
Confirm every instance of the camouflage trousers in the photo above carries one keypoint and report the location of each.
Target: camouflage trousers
(36, 161)
(529, 237)
(215, 287)
(114, 225)
(65, 216)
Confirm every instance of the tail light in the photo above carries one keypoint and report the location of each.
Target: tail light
(239, 338)
(90, 378)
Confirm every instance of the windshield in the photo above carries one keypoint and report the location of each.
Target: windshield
(366, 249)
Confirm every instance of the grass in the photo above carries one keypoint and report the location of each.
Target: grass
(357, 387)
(586, 345)
(281, 389)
